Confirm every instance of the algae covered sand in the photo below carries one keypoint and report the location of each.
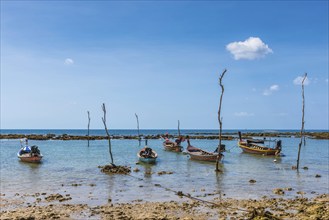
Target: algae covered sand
(265, 208)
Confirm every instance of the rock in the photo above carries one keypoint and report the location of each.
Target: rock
(57, 197)
(164, 172)
(113, 169)
(252, 181)
(278, 191)
(288, 189)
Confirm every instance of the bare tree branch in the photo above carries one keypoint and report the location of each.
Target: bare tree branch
(139, 137)
(107, 132)
(88, 126)
(303, 122)
(220, 119)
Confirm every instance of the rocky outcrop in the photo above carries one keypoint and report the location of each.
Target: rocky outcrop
(210, 136)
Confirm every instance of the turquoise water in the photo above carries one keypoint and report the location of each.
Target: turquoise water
(67, 163)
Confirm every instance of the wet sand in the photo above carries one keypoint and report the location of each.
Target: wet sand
(57, 206)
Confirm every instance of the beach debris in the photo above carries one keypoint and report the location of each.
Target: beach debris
(278, 191)
(288, 189)
(294, 167)
(261, 214)
(301, 193)
(180, 193)
(317, 176)
(58, 197)
(113, 169)
(252, 181)
(136, 170)
(305, 168)
(164, 172)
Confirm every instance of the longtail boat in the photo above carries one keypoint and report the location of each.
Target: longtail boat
(147, 155)
(29, 154)
(202, 155)
(173, 146)
(254, 146)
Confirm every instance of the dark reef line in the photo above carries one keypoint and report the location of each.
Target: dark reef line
(225, 136)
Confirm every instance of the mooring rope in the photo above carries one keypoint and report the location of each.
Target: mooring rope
(180, 193)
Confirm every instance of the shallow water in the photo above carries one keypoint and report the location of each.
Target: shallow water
(71, 167)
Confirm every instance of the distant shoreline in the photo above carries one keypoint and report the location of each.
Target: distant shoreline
(197, 135)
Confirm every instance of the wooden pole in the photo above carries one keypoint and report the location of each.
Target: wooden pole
(178, 129)
(220, 119)
(88, 126)
(107, 132)
(139, 137)
(303, 122)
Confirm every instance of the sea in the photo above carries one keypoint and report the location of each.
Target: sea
(72, 168)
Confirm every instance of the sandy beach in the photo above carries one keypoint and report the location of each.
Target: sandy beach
(57, 206)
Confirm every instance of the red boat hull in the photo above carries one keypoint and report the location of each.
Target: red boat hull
(30, 159)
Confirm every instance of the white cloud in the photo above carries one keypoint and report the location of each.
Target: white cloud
(250, 49)
(299, 79)
(243, 114)
(68, 61)
(272, 89)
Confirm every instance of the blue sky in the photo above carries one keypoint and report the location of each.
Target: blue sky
(162, 60)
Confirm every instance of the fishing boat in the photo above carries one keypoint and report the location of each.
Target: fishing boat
(29, 154)
(202, 155)
(254, 146)
(147, 155)
(173, 146)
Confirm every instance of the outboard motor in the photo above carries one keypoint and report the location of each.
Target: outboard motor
(35, 150)
(221, 148)
(278, 145)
